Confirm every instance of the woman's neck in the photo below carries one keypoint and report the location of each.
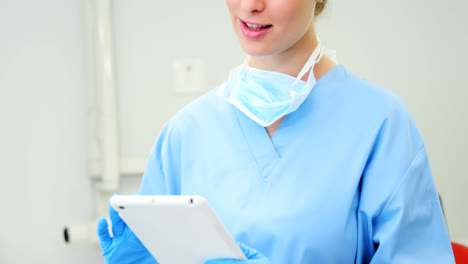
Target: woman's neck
(291, 60)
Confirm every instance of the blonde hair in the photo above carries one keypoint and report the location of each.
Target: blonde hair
(319, 7)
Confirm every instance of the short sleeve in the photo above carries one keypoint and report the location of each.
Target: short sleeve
(400, 219)
(153, 182)
(162, 172)
(411, 227)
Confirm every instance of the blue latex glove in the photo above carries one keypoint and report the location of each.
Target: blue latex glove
(123, 247)
(253, 257)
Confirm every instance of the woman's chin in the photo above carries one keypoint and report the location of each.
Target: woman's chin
(257, 50)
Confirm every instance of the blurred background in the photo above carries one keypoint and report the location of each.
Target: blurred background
(58, 57)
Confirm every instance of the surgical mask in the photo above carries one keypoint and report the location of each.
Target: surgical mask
(266, 96)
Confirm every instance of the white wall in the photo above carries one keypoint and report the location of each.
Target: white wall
(149, 36)
(416, 48)
(43, 132)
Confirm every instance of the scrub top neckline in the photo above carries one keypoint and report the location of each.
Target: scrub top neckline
(285, 121)
(261, 146)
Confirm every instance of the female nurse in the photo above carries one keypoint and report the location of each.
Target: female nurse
(302, 161)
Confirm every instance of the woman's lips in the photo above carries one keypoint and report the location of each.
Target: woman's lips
(254, 33)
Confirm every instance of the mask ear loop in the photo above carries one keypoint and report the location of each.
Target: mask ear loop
(313, 59)
(239, 68)
(322, 52)
(318, 52)
(246, 60)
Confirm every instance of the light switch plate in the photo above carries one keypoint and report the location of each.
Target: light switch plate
(189, 75)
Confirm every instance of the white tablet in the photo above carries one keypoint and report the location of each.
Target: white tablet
(177, 229)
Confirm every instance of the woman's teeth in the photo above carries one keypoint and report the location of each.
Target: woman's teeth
(255, 27)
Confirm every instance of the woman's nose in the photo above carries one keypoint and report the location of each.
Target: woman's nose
(253, 6)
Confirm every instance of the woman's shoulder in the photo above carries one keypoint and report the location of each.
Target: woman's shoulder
(357, 104)
(208, 103)
(357, 93)
(207, 108)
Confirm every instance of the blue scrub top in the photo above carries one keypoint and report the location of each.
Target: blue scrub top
(344, 179)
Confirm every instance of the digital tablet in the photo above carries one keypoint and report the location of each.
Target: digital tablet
(177, 229)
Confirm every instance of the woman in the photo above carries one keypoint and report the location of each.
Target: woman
(301, 160)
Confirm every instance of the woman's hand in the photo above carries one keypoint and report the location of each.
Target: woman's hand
(123, 247)
(253, 257)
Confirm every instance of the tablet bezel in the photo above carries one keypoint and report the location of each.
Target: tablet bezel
(177, 228)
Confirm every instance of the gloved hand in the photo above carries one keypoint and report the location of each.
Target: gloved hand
(123, 247)
(253, 257)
